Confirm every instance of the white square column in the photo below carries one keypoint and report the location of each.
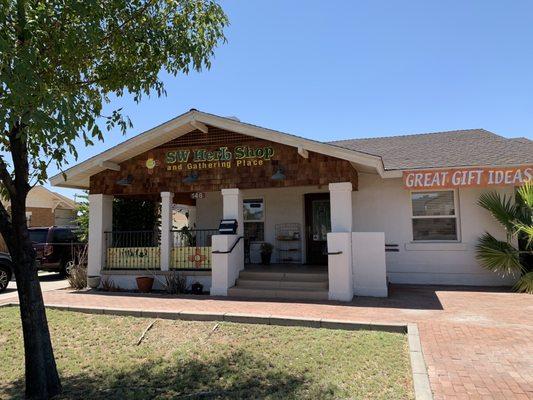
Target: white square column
(341, 206)
(226, 265)
(232, 207)
(166, 227)
(100, 221)
(340, 273)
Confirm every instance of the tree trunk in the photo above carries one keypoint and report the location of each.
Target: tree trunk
(42, 379)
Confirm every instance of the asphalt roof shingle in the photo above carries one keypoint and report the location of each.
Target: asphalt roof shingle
(473, 147)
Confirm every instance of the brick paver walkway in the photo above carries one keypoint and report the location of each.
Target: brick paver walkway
(478, 343)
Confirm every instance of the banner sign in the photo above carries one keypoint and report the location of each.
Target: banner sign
(223, 157)
(467, 177)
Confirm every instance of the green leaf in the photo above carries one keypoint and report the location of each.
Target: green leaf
(525, 283)
(498, 256)
(77, 55)
(501, 207)
(526, 194)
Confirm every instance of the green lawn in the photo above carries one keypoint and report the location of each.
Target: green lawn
(98, 359)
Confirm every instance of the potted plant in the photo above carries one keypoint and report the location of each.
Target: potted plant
(145, 283)
(93, 281)
(266, 253)
(197, 288)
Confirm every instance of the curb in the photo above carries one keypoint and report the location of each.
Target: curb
(277, 320)
(418, 365)
(421, 384)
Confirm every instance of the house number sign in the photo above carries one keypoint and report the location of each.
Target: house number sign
(197, 195)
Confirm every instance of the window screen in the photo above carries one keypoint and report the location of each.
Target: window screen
(434, 216)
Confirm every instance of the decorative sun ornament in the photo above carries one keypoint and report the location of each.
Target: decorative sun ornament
(151, 163)
(198, 258)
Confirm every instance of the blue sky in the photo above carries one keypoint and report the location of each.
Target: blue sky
(343, 69)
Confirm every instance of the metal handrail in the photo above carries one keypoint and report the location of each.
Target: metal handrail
(333, 253)
(139, 231)
(230, 250)
(194, 230)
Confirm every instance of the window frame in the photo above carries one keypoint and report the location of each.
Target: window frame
(456, 216)
(262, 220)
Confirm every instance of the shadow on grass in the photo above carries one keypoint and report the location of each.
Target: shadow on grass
(237, 376)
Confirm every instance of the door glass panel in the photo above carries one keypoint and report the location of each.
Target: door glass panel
(321, 223)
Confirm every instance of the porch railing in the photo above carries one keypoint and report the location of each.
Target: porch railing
(191, 249)
(132, 250)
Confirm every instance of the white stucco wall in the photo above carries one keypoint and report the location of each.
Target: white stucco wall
(384, 205)
(282, 205)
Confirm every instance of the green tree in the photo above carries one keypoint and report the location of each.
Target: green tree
(60, 62)
(135, 215)
(503, 257)
(82, 217)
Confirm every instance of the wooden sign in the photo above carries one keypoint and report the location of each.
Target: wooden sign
(220, 159)
(223, 157)
(467, 177)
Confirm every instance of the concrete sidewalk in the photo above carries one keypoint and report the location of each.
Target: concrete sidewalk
(49, 281)
(477, 343)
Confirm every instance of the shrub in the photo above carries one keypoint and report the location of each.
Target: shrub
(77, 278)
(77, 274)
(109, 286)
(175, 283)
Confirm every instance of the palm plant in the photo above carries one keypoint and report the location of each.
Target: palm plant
(503, 257)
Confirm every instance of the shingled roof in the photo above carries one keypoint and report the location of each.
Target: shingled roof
(473, 147)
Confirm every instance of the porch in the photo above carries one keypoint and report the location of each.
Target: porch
(224, 264)
(141, 250)
(291, 194)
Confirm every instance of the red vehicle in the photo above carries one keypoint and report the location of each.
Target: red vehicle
(55, 247)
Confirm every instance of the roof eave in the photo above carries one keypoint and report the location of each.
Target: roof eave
(77, 177)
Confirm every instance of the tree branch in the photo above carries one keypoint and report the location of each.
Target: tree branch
(19, 153)
(6, 228)
(5, 177)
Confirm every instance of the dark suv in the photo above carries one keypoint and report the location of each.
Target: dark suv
(55, 247)
(6, 271)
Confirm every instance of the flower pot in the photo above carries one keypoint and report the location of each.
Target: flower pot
(265, 258)
(93, 282)
(145, 284)
(197, 288)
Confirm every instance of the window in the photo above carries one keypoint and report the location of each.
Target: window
(63, 236)
(38, 235)
(254, 220)
(434, 216)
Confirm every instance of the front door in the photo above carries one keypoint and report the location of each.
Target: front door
(317, 226)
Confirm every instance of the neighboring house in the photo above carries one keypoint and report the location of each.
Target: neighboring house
(344, 217)
(46, 208)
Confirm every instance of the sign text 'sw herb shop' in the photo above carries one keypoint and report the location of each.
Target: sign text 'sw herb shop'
(223, 157)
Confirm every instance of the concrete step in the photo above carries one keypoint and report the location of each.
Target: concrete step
(278, 276)
(281, 284)
(285, 293)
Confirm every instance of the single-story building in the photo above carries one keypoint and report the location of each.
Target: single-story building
(46, 208)
(343, 217)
